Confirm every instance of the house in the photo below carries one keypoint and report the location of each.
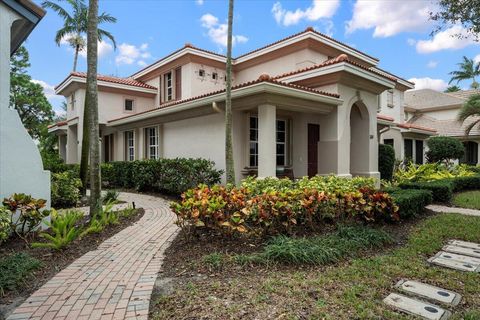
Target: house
(307, 104)
(21, 168)
(439, 110)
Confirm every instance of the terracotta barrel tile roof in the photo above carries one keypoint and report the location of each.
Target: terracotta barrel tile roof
(384, 117)
(262, 78)
(414, 126)
(125, 81)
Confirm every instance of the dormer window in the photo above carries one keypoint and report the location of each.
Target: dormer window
(201, 73)
(215, 76)
(128, 105)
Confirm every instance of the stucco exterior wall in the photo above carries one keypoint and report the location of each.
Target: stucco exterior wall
(293, 61)
(397, 110)
(201, 85)
(398, 146)
(21, 167)
(443, 114)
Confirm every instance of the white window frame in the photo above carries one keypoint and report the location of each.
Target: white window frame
(255, 142)
(152, 145)
(285, 143)
(168, 85)
(130, 149)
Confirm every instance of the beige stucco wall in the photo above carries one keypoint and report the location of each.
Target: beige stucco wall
(398, 146)
(294, 61)
(443, 114)
(397, 111)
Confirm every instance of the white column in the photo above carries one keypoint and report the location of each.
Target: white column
(267, 153)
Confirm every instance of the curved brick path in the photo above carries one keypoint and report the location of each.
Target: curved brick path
(116, 280)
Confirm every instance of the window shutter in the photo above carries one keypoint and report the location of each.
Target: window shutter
(178, 83)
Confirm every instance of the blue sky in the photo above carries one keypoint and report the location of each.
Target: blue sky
(396, 32)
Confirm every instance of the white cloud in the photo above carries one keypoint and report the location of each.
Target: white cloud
(199, 2)
(477, 58)
(55, 100)
(429, 83)
(129, 54)
(217, 32)
(446, 40)
(318, 9)
(432, 64)
(104, 48)
(390, 17)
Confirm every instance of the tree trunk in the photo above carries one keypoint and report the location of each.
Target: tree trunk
(75, 58)
(85, 146)
(92, 101)
(229, 162)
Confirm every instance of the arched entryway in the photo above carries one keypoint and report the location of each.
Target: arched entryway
(359, 140)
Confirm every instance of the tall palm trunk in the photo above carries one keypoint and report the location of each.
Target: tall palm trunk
(75, 58)
(85, 146)
(92, 102)
(229, 162)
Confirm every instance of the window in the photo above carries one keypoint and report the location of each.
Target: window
(390, 98)
(201, 73)
(129, 145)
(389, 142)
(471, 153)
(419, 151)
(168, 84)
(408, 149)
(281, 141)
(72, 101)
(151, 136)
(215, 76)
(128, 105)
(253, 141)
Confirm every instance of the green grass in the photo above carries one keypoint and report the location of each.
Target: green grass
(15, 270)
(468, 199)
(351, 289)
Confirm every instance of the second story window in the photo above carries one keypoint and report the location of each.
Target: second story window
(215, 76)
(72, 101)
(390, 98)
(201, 73)
(128, 105)
(168, 86)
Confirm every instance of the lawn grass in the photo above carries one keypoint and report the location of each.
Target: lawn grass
(15, 270)
(468, 199)
(347, 290)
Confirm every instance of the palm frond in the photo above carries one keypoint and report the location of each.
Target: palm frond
(106, 18)
(63, 33)
(58, 9)
(102, 33)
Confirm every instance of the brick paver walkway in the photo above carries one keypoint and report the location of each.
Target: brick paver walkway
(116, 280)
(445, 209)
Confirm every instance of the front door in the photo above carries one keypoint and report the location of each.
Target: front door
(313, 138)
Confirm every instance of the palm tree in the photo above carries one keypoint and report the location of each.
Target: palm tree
(75, 25)
(471, 108)
(91, 97)
(452, 89)
(229, 163)
(468, 70)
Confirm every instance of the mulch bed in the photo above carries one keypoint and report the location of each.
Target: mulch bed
(53, 261)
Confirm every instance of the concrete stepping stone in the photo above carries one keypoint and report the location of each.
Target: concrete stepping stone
(429, 292)
(416, 307)
(462, 250)
(444, 261)
(465, 244)
(459, 257)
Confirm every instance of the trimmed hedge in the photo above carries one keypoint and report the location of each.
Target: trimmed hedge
(466, 183)
(65, 189)
(411, 202)
(386, 161)
(442, 190)
(163, 175)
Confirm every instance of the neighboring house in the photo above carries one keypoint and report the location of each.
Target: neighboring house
(21, 168)
(438, 110)
(306, 104)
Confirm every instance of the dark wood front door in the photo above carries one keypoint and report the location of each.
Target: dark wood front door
(313, 138)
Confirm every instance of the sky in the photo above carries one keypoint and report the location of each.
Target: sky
(395, 32)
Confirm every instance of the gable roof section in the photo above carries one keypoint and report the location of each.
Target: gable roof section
(426, 99)
(262, 79)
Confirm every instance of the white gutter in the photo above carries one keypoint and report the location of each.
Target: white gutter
(262, 87)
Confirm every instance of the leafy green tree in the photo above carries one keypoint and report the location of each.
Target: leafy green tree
(75, 25)
(91, 98)
(229, 162)
(452, 12)
(468, 70)
(470, 109)
(444, 149)
(452, 89)
(386, 161)
(28, 98)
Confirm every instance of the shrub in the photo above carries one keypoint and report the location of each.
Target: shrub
(411, 202)
(111, 196)
(442, 190)
(259, 208)
(29, 212)
(163, 175)
(444, 149)
(15, 271)
(466, 183)
(386, 161)
(5, 215)
(65, 189)
(430, 172)
(63, 230)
